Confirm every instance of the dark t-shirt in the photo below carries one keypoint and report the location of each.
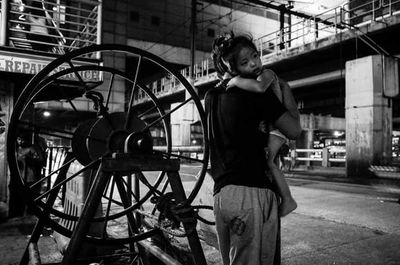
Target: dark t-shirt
(237, 145)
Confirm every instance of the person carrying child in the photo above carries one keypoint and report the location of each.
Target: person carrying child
(251, 76)
(245, 207)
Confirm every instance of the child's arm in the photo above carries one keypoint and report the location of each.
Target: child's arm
(259, 85)
(288, 99)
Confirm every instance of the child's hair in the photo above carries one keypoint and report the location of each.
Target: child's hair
(225, 49)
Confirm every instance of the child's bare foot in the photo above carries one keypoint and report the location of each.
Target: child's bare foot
(287, 206)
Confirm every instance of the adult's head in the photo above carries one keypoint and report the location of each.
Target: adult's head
(236, 55)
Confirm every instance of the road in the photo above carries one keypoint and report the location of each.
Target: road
(336, 222)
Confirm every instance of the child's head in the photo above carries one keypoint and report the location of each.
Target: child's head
(236, 55)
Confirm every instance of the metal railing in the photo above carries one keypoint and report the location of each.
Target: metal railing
(349, 16)
(302, 32)
(325, 156)
(169, 84)
(59, 27)
(359, 12)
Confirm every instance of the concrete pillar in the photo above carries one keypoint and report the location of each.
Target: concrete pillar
(368, 116)
(306, 139)
(325, 157)
(307, 136)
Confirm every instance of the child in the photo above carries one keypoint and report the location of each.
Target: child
(249, 74)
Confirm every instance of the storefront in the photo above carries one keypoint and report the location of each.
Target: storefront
(16, 69)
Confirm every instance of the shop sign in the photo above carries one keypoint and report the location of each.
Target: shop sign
(27, 64)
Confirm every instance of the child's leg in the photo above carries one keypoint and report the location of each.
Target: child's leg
(288, 204)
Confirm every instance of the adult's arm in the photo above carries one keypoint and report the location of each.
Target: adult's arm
(289, 122)
(258, 85)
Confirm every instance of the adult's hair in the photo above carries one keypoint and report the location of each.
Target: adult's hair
(225, 50)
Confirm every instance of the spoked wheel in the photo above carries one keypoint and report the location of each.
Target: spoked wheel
(92, 108)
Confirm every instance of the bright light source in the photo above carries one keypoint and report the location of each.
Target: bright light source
(46, 114)
(337, 133)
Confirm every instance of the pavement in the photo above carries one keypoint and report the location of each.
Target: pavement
(338, 221)
(14, 235)
(340, 227)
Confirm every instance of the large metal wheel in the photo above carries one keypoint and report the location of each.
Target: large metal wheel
(99, 101)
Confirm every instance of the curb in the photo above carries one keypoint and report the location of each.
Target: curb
(340, 178)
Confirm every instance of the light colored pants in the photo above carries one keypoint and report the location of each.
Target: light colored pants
(247, 225)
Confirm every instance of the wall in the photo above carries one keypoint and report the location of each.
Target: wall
(175, 17)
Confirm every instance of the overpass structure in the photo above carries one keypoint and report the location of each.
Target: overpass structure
(343, 69)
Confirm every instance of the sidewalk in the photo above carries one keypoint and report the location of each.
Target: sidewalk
(331, 227)
(14, 235)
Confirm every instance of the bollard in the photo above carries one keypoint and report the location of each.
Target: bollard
(293, 156)
(325, 157)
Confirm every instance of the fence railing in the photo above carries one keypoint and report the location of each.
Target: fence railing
(348, 16)
(50, 26)
(324, 157)
(302, 32)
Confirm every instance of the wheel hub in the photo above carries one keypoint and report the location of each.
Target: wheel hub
(95, 138)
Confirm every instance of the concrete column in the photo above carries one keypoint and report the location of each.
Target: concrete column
(307, 136)
(306, 139)
(368, 116)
